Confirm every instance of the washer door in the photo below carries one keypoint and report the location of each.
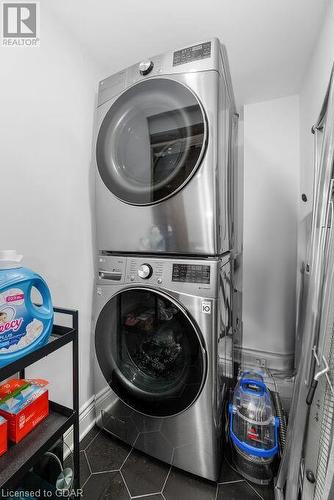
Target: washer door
(149, 352)
(151, 141)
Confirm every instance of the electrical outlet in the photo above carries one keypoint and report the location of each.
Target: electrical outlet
(261, 362)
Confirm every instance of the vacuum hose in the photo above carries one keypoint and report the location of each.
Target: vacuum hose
(282, 419)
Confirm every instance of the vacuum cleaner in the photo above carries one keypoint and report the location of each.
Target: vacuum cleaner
(253, 429)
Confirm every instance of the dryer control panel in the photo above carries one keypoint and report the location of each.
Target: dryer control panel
(204, 56)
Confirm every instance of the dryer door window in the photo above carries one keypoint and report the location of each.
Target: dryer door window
(151, 141)
(150, 353)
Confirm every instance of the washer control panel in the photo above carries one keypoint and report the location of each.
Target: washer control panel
(198, 277)
(111, 269)
(145, 271)
(139, 270)
(191, 273)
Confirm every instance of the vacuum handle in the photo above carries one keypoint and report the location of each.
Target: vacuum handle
(251, 386)
(311, 392)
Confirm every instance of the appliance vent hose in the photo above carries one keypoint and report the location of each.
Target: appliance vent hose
(282, 419)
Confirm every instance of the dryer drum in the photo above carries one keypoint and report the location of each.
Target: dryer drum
(151, 141)
(150, 352)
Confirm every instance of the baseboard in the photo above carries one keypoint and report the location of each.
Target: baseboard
(102, 396)
(86, 423)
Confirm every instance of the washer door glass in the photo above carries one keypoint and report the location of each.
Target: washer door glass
(149, 352)
(151, 141)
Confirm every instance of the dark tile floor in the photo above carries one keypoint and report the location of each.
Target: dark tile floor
(112, 470)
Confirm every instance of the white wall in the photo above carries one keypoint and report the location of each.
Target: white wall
(271, 187)
(47, 102)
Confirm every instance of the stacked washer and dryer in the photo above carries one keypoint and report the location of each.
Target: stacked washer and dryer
(166, 225)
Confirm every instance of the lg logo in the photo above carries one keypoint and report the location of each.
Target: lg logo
(206, 307)
(20, 23)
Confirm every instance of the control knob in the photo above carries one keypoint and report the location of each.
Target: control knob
(145, 67)
(145, 271)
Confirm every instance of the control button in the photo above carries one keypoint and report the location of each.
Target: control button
(145, 67)
(159, 281)
(145, 271)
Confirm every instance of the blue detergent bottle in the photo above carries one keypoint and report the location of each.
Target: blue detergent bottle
(24, 326)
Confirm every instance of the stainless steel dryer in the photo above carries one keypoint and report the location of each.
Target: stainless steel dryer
(161, 327)
(163, 154)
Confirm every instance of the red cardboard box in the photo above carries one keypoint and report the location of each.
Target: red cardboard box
(24, 421)
(3, 436)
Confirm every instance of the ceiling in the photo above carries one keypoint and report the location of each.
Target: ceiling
(269, 42)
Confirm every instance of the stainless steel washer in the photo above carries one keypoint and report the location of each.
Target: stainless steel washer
(164, 155)
(161, 326)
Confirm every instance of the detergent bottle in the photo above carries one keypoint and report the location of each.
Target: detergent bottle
(24, 326)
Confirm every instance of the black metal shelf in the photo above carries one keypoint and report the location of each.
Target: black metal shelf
(60, 336)
(22, 456)
(18, 460)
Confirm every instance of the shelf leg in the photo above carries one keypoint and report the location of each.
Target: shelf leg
(76, 430)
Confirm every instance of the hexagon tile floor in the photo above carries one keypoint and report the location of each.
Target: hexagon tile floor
(112, 470)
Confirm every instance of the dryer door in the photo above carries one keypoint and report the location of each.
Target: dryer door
(151, 141)
(150, 352)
